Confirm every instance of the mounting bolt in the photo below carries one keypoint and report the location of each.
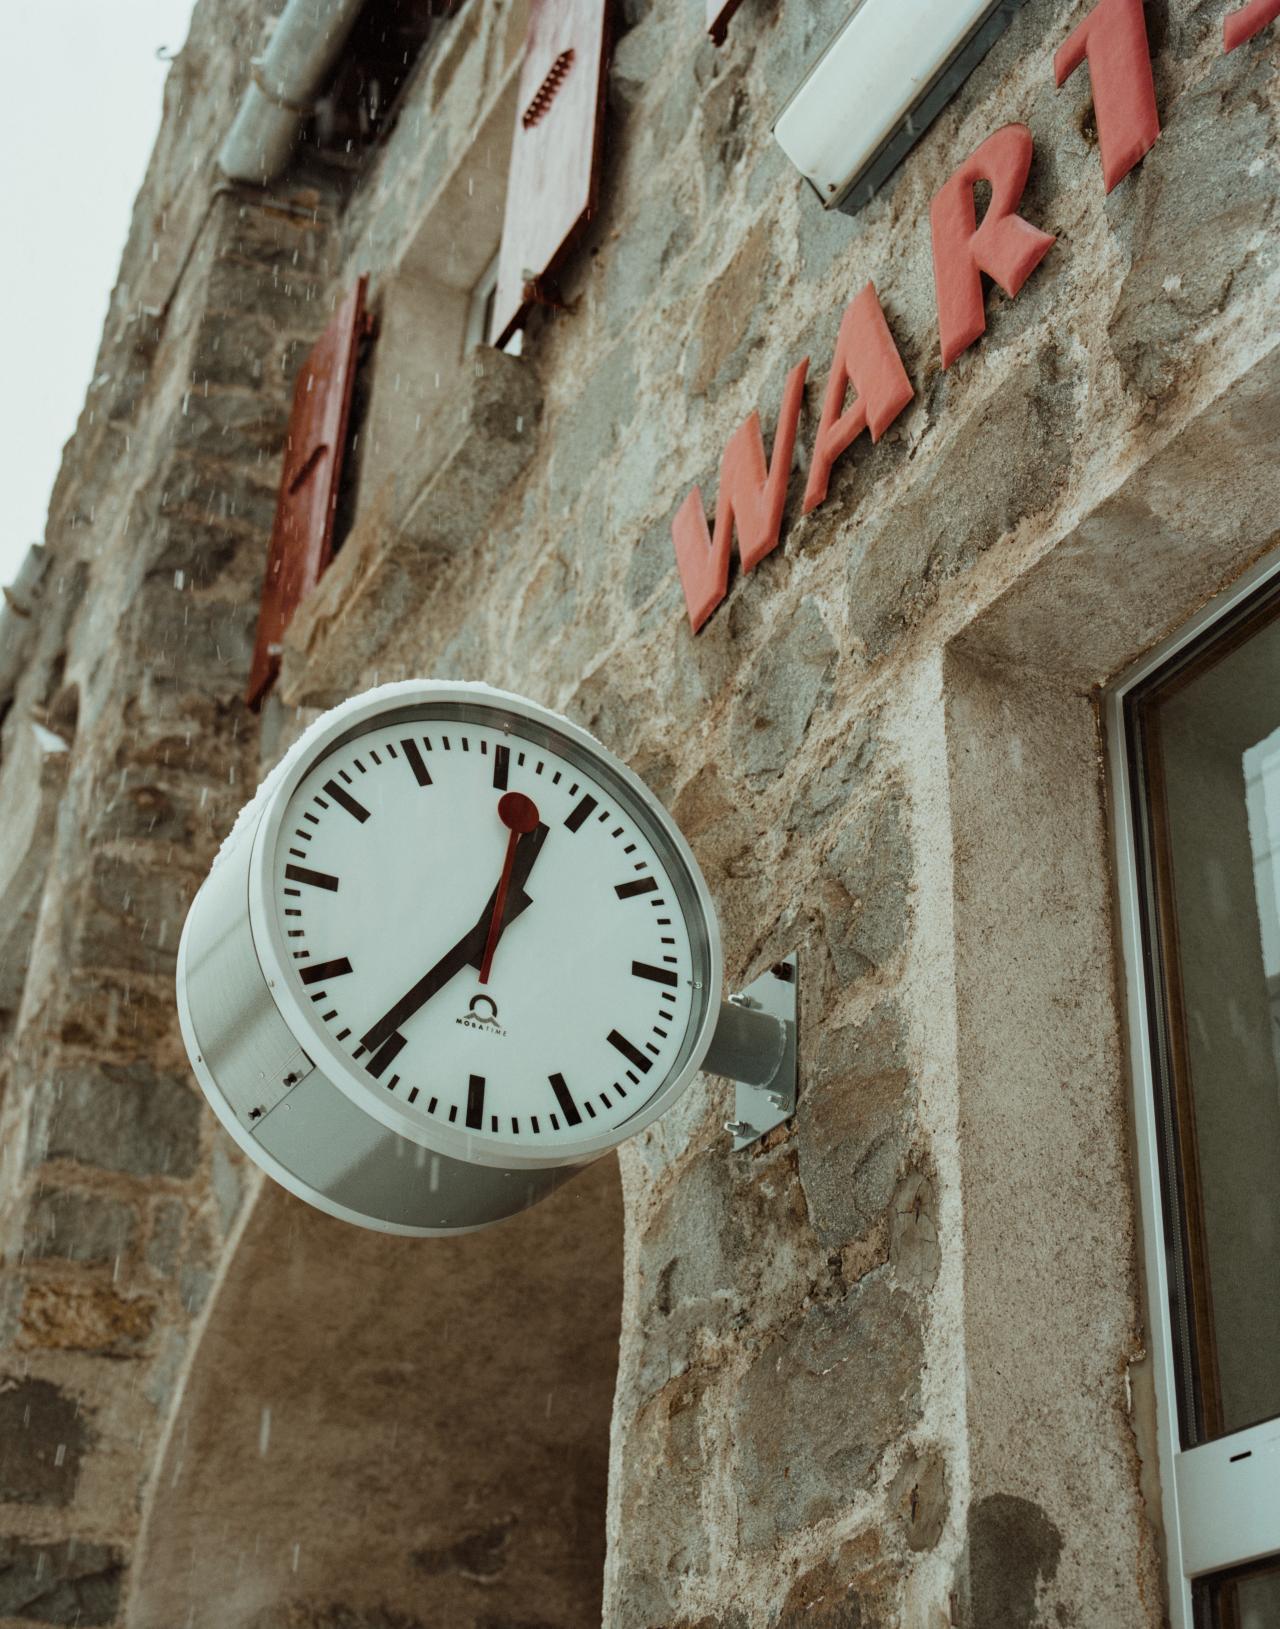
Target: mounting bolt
(740, 1128)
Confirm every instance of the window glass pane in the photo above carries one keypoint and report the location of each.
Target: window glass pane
(1210, 745)
(1247, 1600)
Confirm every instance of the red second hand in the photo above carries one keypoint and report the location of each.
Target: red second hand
(520, 815)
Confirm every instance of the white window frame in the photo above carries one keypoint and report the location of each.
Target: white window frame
(1221, 1500)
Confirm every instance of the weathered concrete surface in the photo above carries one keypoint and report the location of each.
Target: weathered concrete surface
(378, 1431)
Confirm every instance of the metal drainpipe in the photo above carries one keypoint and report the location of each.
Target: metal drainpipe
(305, 43)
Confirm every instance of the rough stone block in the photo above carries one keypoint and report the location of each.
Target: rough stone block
(124, 1117)
(787, 683)
(83, 1316)
(86, 1227)
(913, 1241)
(727, 1246)
(70, 1583)
(284, 297)
(586, 431)
(231, 426)
(193, 490)
(998, 462)
(663, 1469)
(1194, 228)
(821, 1404)
(856, 1588)
(204, 644)
(919, 1495)
(853, 1125)
(43, 1437)
(232, 352)
(866, 888)
(153, 813)
(133, 915)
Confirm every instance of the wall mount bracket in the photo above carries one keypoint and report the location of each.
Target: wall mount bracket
(755, 1046)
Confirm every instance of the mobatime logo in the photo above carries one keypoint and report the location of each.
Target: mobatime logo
(482, 1014)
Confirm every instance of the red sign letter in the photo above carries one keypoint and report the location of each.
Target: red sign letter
(1242, 25)
(1114, 39)
(867, 359)
(751, 498)
(1005, 246)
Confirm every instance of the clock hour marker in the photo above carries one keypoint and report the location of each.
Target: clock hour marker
(385, 1053)
(642, 885)
(414, 758)
(475, 1103)
(581, 813)
(344, 798)
(659, 975)
(501, 763)
(315, 879)
(632, 1054)
(565, 1099)
(324, 970)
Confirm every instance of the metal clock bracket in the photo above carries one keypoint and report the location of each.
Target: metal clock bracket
(754, 1046)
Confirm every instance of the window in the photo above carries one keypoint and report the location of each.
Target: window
(427, 307)
(1196, 744)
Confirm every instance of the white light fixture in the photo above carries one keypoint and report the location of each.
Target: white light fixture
(877, 88)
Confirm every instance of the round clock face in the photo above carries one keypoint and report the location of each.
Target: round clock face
(491, 929)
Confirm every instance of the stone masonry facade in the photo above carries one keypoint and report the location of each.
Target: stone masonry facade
(887, 1368)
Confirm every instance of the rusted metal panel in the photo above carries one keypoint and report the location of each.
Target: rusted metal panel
(302, 536)
(718, 14)
(555, 152)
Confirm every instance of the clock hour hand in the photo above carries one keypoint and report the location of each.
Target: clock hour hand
(469, 950)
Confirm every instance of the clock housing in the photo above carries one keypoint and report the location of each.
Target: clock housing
(494, 1158)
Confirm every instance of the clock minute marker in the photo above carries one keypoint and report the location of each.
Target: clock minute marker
(324, 970)
(416, 763)
(659, 975)
(313, 879)
(632, 1053)
(581, 814)
(631, 890)
(343, 797)
(565, 1099)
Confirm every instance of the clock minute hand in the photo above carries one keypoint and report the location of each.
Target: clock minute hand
(469, 950)
(463, 954)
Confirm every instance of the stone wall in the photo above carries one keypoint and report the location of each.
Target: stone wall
(880, 1369)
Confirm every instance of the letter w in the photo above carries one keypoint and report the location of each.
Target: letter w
(751, 500)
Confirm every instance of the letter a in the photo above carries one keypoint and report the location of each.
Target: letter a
(1114, 39)
(751, 498)
(867, 359)
(1242, 25)
(1005, 246)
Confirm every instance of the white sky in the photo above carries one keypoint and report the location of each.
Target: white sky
(78, 119)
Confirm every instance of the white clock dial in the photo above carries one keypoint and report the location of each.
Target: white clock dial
(541, 1014)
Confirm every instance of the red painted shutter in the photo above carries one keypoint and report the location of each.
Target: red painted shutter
(718, 14)
(302, 536)
(555, 154)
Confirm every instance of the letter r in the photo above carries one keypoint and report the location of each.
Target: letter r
(1005, 246)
